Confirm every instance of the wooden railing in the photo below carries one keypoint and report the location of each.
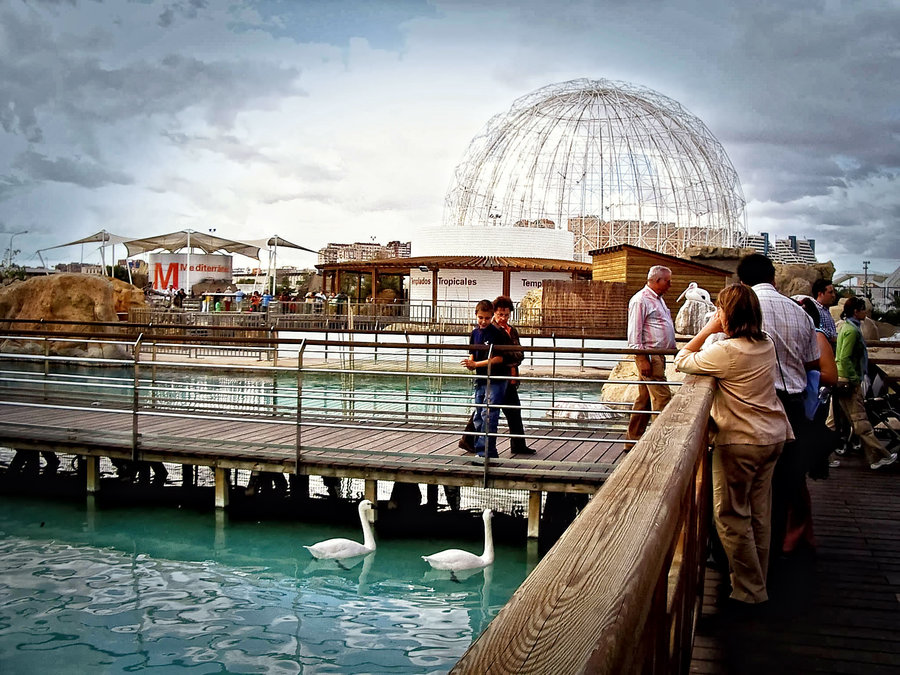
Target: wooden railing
(621, 589)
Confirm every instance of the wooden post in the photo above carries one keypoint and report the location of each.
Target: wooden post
(534, 513)
(222, 485)
(431, 492)
(187, 475)
(299, 483)
(371, 494)
(93, 474)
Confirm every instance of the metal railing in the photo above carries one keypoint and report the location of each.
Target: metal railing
(448, 316)
(379, 385)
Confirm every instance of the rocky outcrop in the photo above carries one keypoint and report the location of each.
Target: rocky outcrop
(693, 316)
(66, 297)
(798, 279)
(627, 370)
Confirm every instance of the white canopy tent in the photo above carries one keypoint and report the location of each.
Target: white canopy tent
(102, 237)
(272, 243)
(189, 239)
(175, 241)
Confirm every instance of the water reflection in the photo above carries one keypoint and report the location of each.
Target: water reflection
(136, 590)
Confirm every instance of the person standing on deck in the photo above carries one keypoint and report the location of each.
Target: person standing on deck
(824, 295)
(796, 351)
(749, 432)
(650, 326)
(503, 307)
(852, 363)
(488, 394)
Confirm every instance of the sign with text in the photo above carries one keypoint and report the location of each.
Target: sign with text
(456, 285)
(522, 282)
(170, 270)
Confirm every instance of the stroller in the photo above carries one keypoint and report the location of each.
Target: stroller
(882, 403)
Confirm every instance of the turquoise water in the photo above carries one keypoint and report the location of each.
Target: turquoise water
(90, 590)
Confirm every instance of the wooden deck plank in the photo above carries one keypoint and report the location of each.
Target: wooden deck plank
(835, 612)
(385, 449)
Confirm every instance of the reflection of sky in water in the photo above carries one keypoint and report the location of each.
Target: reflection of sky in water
(103, 592)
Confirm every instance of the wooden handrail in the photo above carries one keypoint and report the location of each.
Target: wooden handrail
(618, 592)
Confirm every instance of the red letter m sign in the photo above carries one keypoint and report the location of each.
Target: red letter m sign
(162, 281)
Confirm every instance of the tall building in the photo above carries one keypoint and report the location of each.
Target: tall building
(335, 253)
(791, 250)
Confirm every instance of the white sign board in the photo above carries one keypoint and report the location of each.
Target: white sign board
(522, 282)
(456, 285)
(171, 270)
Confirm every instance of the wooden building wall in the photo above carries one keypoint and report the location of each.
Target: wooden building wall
(630, 266)
(600, 307)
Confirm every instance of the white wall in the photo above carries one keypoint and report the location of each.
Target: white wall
(472, 240)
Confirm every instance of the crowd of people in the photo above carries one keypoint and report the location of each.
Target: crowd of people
(784, 374)
(227, 300)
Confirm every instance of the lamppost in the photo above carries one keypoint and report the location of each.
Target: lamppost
(9, 252)
(866, 291)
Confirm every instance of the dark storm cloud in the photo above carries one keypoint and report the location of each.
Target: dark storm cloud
(65, 170)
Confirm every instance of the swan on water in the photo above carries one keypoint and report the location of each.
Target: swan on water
(694, 292)
(337, 549)
(454, 559)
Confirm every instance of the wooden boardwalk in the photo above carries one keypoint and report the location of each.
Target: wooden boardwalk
(834, 611)
(572, 460)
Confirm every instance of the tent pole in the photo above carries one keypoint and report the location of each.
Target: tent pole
(188, 282)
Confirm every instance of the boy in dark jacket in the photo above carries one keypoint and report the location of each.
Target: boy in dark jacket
(487, 394)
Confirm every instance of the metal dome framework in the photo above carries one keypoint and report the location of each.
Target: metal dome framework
(612, 162)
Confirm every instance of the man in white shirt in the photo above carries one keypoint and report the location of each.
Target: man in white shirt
(650, 326)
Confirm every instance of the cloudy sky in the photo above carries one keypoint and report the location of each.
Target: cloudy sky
(342, 120)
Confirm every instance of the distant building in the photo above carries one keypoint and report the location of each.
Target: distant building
(791, 250)
(80, 268)
(337, 253)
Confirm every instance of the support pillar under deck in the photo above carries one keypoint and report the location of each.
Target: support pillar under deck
(534, 513)
(371, 493)
(92, 465)
(222, 487)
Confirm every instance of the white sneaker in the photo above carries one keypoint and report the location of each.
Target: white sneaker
(884, 461)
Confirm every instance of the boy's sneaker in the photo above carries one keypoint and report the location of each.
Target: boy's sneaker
(884, 461)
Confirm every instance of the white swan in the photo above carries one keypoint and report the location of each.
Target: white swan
(337, 549)
(694, 292)
(454, 559)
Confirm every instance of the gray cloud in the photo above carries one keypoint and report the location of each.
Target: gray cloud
(187, 10)
(65, 170)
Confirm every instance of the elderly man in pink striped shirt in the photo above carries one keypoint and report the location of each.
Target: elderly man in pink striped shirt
(650, 326)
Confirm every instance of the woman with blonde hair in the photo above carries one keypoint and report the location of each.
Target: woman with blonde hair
(749, 428)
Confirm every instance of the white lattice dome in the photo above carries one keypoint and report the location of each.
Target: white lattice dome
(611, 162)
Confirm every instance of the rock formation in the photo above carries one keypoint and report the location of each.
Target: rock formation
(66, 297)
(692, 316)
(627, 370)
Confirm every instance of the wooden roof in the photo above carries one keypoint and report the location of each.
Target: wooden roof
(662, 257)
(460, 262)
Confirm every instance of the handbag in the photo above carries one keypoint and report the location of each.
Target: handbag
(811, 394)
